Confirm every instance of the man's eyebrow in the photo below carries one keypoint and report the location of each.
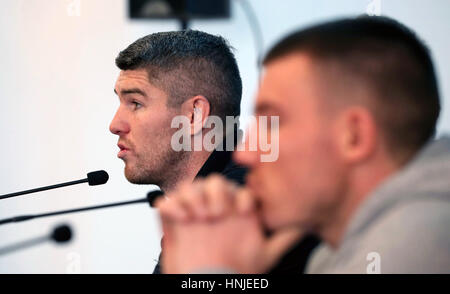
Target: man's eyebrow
(266, 108)
(131, 91)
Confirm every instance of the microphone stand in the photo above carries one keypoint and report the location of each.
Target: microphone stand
(150, 199)
(95, 178)
(60, 234)
(23, 245)
(28, 217)
(43, 189)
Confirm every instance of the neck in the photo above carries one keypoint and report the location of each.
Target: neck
(360, 183)
(187, 171)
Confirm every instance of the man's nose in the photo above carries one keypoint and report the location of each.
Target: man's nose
(119, 125)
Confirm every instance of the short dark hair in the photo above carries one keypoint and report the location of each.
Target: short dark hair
(394, 64)
(188, 63)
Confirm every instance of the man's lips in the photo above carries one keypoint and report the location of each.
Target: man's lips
(123, 150)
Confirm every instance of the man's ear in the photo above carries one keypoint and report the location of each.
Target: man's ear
(357, 133)
(197, 109)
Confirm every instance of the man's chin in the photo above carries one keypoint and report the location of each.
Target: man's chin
(135, 177)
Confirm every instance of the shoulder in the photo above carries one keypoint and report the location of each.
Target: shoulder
(411, 237)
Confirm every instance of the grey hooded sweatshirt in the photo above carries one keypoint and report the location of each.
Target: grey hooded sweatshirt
(401, 227)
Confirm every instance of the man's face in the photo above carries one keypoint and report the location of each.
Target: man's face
(303, 185)
(142, 123)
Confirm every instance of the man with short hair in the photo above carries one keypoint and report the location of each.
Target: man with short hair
(164, 75)
(357, 101)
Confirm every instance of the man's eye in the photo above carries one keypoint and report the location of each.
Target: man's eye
(136, 104)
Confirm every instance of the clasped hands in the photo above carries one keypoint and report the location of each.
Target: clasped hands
(212, 225)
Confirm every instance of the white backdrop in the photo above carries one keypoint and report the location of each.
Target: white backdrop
(57, 75)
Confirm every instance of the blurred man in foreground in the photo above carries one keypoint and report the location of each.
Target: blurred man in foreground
(357, 101)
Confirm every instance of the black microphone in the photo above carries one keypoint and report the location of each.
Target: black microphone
(60, 234)
(150, 199)
(99, 177)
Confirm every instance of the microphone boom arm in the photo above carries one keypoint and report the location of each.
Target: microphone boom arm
(28, 217)
(95, 178)
(43, 189)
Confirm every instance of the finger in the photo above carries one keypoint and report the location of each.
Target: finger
(219, 196)
(168, 260)
(200, 201)
(192, 199)
(279, 243)
(245, 202)
(159, 201)
(167, 228)
(171, 210)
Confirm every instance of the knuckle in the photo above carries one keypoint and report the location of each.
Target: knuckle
(215, 179)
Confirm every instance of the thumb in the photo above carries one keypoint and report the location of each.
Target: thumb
(279, 243)
(168, 260)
